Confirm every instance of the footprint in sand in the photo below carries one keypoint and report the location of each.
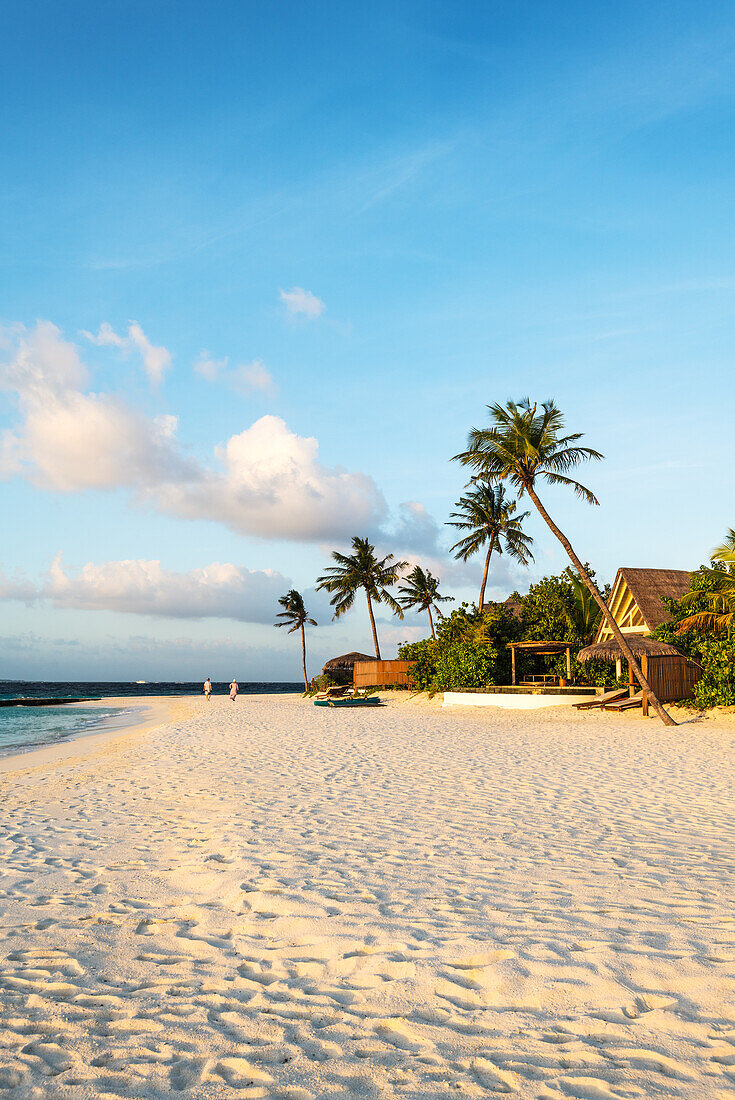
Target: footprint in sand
(397, 1032)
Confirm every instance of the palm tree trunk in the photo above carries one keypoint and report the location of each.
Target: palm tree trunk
(303, 656)
(431, 622)
(607, 614)
(372, 623)
(484, 574)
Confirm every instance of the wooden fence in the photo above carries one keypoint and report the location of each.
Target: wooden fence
(382, 674)
(671, 676)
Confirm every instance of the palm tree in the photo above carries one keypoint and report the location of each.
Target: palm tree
(362, 570)
(490, 519)
(421, 591)
(719, 614)
(295, 616)
(525, 445)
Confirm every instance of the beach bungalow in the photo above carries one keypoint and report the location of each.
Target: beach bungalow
(636, 603)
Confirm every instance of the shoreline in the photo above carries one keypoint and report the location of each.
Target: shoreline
(160, 710)
(157, 711)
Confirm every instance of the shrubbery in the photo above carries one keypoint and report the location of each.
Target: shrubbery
(715, 655)
(470, 651)
(471, 646)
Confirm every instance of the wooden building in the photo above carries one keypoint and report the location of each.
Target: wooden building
(635, 600)
(372, 673)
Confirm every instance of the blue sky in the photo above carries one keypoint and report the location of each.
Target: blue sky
(355, 226)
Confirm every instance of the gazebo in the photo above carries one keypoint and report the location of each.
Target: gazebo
(540, 649)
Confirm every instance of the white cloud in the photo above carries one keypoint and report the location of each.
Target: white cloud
(270, 483)
(220, 590)
(209, 367)
(302, 302)
(265, 481)
(106, 337)
(243, 378)
(252, 376)
(156, 360)
(72, 440)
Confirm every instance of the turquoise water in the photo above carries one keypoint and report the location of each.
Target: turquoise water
(23, 728)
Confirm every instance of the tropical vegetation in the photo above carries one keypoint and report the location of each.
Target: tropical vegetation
(703, 626)
(362, 571)
(420, 592)
(488, 517)
(471, 645)
(295, 616)
(525, 445)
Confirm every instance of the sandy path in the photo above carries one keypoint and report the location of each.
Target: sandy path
(268, 899)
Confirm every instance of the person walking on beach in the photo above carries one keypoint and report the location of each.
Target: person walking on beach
(234, 688)
(207, 689)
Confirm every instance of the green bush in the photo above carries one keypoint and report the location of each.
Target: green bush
(471, 646)
(470, 650)
(463, 665)
(423, 669)
(715, 655)
(717, 686)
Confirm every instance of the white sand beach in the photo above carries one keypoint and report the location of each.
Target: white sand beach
(269, 899)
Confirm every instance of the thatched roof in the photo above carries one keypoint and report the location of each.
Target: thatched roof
(648, 586)
(347, 660)
(541, 648)
(511, 604)
(609, 650)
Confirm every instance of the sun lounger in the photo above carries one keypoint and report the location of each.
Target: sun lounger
(334, 692)
(626, 704)
(602, 700)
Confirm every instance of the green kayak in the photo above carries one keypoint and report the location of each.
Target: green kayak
(371, 701)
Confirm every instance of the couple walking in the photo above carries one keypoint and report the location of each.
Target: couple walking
(234, 688)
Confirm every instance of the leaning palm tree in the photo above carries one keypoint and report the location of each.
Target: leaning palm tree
(490, 520)
(525, 445)
(719, 612)
(362, 570)
(295, 616)
(421, 590)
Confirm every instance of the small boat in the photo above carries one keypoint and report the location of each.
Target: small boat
(349, 701)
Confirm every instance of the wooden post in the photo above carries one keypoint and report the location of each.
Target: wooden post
(644, 670)
(569, 665)
(619, 667)
(631, 682)
(513, 663)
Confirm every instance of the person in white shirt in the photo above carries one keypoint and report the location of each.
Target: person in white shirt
(207, 688)
(234, 688)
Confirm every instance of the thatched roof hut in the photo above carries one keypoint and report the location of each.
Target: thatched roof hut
(609, 650)
(635, 600)
(347, 661)
(342, 669)
(671, 675)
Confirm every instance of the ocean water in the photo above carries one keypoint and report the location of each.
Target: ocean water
(106, 689)
(24, 728)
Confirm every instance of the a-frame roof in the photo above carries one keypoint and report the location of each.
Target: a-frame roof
(638, 592)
